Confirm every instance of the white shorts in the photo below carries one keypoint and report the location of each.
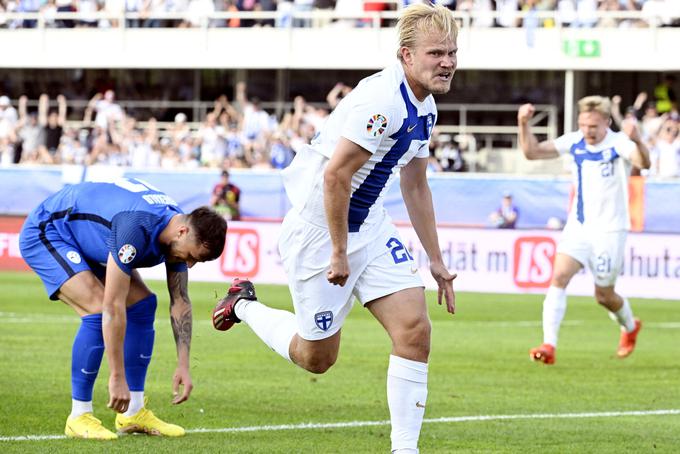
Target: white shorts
(379, 265)
(601, 252)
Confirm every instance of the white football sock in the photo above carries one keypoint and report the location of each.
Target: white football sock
(275, 327)
(406, 397)
(624, 317)
(554, 307)
(136, 403)
(79, 407)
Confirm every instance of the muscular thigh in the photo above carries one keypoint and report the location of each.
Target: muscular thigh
(54, 259)
(84, 292)
(400, 311)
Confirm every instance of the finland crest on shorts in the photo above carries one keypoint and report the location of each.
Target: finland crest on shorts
(323, 320)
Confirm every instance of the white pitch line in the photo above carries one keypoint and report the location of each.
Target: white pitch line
(352, 424)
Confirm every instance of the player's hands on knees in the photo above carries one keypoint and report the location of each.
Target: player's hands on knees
(339, 270)
(119, 394)
(445, 286)
(181, 385)
(525, 112)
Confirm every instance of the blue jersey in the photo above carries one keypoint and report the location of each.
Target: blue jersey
(124, 218)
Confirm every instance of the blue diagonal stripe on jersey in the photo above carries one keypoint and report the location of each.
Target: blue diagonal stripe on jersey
(368, 192)
(579, 157)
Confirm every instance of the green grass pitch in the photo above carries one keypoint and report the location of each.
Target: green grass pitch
(479, 367)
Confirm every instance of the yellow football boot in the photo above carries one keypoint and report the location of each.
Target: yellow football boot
(87, 426)
(144, 421)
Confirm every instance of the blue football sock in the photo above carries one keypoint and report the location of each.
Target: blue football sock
(86, 357)
(139, 338)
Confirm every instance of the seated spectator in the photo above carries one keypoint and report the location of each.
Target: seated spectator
(506, 215)
(226, 197)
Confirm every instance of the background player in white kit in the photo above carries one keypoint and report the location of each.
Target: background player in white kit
(595, 233)
(338, 242)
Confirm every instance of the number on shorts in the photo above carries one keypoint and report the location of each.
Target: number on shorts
(399, 252)
(603, 265)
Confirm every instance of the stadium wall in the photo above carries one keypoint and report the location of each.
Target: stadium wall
(462, 200)
(606, 49)
(500, 261)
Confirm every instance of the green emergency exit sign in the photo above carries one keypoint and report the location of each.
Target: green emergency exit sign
(586, 48)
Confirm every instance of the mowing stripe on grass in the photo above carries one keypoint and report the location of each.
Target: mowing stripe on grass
(15, 317)
(351, 424)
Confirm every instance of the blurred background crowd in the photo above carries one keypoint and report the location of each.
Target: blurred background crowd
(282, 13)
(239, 133)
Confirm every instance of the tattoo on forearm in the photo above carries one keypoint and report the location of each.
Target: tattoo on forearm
(181, 328)
(178, 286)
(180, 314)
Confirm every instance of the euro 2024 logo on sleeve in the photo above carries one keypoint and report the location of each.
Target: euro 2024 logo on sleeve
(127, 253)
(241, 256)
(376, 125)
(533, 261)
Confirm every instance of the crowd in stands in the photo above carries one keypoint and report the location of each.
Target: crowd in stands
(241, 134)
(232, 135)
(659, 123)
(193, 13)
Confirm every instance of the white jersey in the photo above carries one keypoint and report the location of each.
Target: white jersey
(383, 116)
(600, 175)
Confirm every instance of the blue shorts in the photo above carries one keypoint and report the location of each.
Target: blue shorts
(54, 259)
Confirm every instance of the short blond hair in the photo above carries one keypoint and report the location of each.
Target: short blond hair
(600, 104)
(422, 18)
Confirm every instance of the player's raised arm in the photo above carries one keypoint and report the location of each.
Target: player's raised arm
(181, 320)
(346, 160)
(418, 200)
(114, 320)
(530, 146)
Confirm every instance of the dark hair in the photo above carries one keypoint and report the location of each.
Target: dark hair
(210, 229)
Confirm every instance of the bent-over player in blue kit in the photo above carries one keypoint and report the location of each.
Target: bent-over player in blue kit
(86, 242)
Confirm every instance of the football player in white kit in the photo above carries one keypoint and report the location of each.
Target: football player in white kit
(598, 222)
(338, 243)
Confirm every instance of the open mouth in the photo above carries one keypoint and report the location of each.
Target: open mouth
(445, 76)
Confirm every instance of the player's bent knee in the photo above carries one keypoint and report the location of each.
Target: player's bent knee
(317, 362)
(604, 296)
(413, 342)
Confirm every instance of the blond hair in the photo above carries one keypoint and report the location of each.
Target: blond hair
(600, 104)
(422, 18)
